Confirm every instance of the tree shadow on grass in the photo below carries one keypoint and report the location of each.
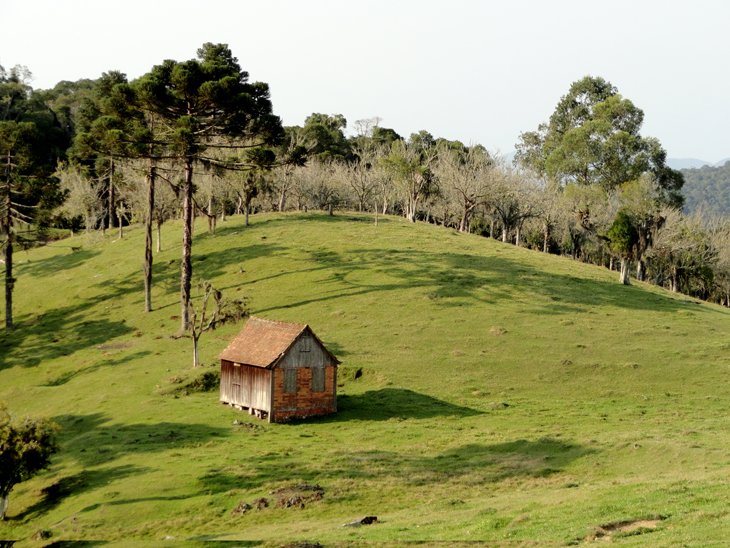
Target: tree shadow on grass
(53, 495)
(94, 440)
(259, 224)
(482, 463)
(206, 266)
(67, 376)
(455, 279)
(56, 333)
(475, 463)
(52, 265)
(394, 403)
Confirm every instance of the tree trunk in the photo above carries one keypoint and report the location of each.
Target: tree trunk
(624, 276)
(9, 281)
(546, 238)
(186, 265)
(121, 225)
(491, 228)
(7, 229)
(462, 223)
(159, 236)
(504, 234)
(517, 236)
(3, 505)
(411, 210)
(245, 212)
(640, 270)
(196, 360)
(148, 238)
(111, 201)
(211, 216)
(610, 263)
(282, 200)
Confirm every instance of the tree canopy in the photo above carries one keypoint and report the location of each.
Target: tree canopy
(25, 449)
(592, 138)
(206, 105)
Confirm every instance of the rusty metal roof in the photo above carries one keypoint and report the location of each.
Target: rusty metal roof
(262, 342)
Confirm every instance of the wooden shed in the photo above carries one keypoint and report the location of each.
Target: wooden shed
(279, 371)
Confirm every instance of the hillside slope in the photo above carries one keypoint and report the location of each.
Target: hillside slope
(505, 395)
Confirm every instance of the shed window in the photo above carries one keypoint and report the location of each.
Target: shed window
(290, 381)
(305, 345)
(318, 379)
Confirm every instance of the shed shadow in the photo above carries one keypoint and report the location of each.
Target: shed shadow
(395, 403)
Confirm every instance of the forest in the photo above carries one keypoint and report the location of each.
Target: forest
(197, 140)
(707, 189)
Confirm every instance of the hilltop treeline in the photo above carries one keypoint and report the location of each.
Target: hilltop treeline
(707, 189)
(197, 139)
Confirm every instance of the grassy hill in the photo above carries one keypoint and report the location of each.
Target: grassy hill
(505, 395)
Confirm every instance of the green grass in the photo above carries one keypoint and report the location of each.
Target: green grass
(506, 395)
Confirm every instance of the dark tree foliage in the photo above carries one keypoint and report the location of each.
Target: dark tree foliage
(708, 189)
(121, 130)
(201, 105)
(385, 136)
(623, 238)
(324, 138)
(25, 449)
(68, 100)
(31, 142)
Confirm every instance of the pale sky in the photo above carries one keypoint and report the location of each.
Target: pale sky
(477, 71)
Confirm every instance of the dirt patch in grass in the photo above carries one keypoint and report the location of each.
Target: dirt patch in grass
(115, 345)
(298, 496)
(625, 528)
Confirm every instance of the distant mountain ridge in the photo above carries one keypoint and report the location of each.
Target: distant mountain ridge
(694, 163)
(674, 163)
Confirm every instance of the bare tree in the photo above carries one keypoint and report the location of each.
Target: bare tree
(411, 166)
(683, 254)
(83, 196)
(364, 175)
(587, 212)
(513, 201)
(365, 127)
(720, 236)
(246, 186)
(164, 202)
(466, 178)
(548, 212)
(202, 320)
